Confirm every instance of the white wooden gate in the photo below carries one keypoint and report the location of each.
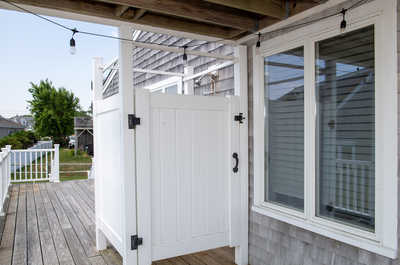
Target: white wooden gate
(188, 195)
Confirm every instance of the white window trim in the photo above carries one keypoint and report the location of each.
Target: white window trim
(162, 85)
(382, 14)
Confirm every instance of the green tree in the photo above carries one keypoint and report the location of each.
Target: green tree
(53, 110)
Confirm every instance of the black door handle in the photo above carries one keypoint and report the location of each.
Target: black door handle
(236, 157)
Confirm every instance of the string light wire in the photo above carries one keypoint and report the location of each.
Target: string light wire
(260, 35)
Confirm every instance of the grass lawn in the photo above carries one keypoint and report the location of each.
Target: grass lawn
(69, 162)
(67, 156)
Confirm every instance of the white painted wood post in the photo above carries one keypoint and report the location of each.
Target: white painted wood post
(240, 82)
(3, 154)
(8, 147)
(128, 166)
(188, 86)
(97, 79)
(55, 174)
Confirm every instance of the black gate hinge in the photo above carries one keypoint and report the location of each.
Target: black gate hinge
(135, 242)
(133, 121)
(239, 117)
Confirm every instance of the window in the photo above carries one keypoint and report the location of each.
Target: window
(172, 85)
(325, 128)
(345, 90)
(284, 128)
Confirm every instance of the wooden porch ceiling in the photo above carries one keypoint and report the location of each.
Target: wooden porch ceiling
(227, 19)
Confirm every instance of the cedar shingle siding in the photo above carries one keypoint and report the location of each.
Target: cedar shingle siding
(274, 242)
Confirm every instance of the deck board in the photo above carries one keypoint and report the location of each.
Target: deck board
(54, 224)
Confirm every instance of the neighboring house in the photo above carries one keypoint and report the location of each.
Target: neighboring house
(297, 165)
(83, 127)
(25, 120)
(8, 127)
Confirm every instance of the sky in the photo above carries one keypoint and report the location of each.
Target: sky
(32, 49)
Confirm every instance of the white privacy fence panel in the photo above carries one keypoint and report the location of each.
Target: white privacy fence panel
(35, 164)
(4, 175)
(107, 161)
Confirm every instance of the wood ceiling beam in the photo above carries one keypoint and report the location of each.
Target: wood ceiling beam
(120, 10)
(99, 9)
(139, 13)
(193, 10)
(263, 7)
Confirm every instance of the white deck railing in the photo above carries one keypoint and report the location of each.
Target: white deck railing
(355, 188)
(30, 165)
(5, 173)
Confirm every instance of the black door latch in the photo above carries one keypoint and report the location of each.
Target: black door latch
(135, 242)
(133, 121)
(239, 117)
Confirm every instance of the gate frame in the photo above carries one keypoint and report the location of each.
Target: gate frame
(126, 99)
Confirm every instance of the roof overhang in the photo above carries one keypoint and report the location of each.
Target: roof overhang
(196, 19)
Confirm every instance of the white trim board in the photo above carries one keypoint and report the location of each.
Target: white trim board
(381, 14)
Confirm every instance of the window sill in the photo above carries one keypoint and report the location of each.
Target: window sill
(325, 228)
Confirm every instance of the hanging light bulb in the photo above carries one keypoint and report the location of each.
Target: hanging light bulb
(343, 24)
(259, 40)
(184, 54)
(72, 45)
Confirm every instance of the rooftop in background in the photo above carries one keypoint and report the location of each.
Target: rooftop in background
(6, 123)
(83, 123)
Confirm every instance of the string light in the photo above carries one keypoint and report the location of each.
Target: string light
(259, 40)
(184, 57)
(72, 45)
(343, 24)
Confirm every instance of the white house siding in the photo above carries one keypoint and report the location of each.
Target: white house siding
(274, 242)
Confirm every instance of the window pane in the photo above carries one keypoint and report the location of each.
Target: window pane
(284, 128)
(345, 89)
(171, 89)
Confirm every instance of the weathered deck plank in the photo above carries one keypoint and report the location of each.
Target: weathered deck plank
(46, 239)
(7, 242)
(20, 253)
(33, 240)
(54, 224)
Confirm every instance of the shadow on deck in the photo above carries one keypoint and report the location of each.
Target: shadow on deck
(53, 223)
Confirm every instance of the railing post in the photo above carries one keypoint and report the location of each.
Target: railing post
(9, 170)
(2, 179)
(55, 174)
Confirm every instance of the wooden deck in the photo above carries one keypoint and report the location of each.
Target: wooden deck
(53, 224)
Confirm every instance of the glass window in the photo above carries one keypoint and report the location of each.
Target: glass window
(345, 89)
(171, 89)
(284, 128)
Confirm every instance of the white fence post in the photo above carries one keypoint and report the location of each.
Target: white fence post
(4, 176)
(55, 174)
(8, 167)
(3, 154)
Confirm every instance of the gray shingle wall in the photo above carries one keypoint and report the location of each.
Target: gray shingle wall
(173, 62)
(274, 242)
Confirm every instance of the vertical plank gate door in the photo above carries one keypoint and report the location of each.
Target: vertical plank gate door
(188, 183)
